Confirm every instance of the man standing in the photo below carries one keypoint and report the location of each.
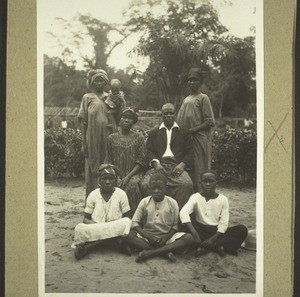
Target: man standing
(196, 115)
(170, 151)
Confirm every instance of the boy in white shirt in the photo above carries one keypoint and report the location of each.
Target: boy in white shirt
(210, 228)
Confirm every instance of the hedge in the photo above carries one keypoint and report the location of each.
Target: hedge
(233, 154)
(63, 157)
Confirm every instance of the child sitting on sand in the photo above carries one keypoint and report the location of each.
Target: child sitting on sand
(115, 102)
(210, 229)
(105, 220)
(155, 224)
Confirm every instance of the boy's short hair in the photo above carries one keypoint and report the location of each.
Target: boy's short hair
(208, 171)
(158, 176)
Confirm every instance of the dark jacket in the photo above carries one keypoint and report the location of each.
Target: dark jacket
(181, 145)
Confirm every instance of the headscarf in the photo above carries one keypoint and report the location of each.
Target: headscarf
(132, 112)
(93, 74)
(108, 169)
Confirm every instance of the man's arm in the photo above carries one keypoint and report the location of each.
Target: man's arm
(189, 149)
(83, 128)
(150, 146)
(152, 157)
(208, 116)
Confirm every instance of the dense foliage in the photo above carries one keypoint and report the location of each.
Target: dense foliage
(233, 157)
(62, 153)
(187, 34)
(174, 35)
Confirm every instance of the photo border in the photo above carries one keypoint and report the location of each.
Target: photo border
(21, 269)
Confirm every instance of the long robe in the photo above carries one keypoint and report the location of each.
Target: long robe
(93, 111)
(194, 111)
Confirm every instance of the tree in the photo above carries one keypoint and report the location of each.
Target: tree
(97, 32)
(185, 36)
(232, 85)
(63, 85)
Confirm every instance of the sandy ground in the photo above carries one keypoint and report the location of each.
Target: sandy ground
(107, 271)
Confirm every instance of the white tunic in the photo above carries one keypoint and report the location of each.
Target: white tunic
(214, 212)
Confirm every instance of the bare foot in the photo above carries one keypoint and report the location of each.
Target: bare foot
(125, 249)
(201, 251)
(220, 251)
(80, 251)
(142, 256)
(171, 257)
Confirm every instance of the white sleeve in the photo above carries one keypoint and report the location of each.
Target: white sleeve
(224, 216)
(186, 210)
(90, 204)
(138, 215)
(124, 203)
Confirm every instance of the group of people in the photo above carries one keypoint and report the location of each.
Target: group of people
(171, 169)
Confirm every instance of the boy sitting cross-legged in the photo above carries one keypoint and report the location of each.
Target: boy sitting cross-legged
(155, 224)
(210, 228)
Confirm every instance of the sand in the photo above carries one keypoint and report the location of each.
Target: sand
(107, 271)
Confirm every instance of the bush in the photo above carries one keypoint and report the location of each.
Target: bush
(234, 155)
(63, 153)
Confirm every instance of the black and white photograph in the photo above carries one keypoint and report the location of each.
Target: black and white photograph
(150, 147)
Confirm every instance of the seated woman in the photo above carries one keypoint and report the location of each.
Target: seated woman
(126, 150)
(105, 214)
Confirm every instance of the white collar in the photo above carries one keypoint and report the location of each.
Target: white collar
(162, 125)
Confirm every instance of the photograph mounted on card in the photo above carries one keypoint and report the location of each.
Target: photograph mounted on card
(150, 86)
(157, 142)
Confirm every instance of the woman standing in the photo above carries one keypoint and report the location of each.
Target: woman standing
(94, 125)
(196, 115)
(126, 150)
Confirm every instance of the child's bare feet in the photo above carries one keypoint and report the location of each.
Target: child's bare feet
(171, 257)
(201, 251)
(142, 256)
(220, 251)
(80, 251)
(125, 249)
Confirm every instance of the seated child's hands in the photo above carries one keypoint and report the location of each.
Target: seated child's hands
(154, 240)
(209, 243)
(163, 240)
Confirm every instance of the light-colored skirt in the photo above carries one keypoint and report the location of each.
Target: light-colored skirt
(92, 232)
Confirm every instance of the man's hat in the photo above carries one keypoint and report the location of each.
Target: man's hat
(196, 73)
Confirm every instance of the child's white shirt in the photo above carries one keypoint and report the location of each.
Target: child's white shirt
(214, 212)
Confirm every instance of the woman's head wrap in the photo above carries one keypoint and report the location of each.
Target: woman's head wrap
(108, 169)
(132, 112)
(93, 74)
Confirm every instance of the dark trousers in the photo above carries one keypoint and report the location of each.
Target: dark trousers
(231, 240)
